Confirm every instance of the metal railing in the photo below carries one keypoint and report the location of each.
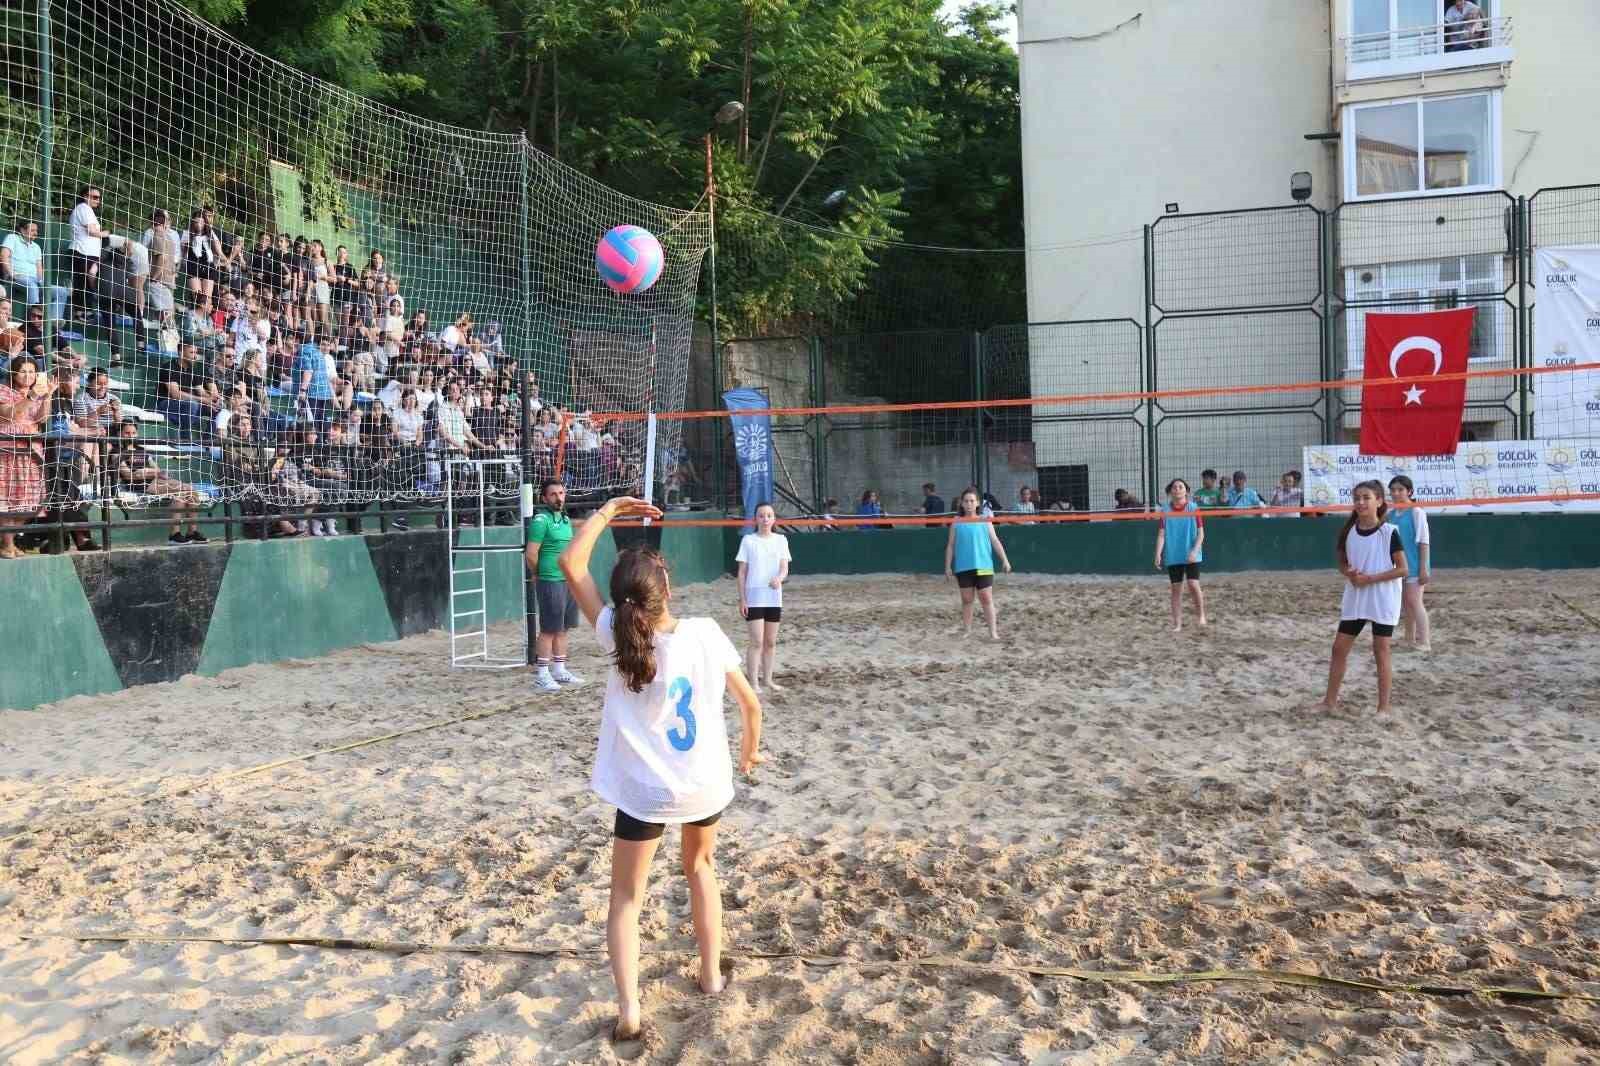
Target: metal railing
(1463, 43)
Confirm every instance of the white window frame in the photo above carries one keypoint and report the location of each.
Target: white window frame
(1490, 302)
(1491, 150)
(1394, 14)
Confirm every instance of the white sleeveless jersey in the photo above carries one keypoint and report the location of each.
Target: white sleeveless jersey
(1372, 552)
(663, 753)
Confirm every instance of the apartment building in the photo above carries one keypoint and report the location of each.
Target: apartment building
(1419, 120)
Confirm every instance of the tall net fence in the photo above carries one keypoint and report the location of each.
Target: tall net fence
(1248, 362)
(301, 296)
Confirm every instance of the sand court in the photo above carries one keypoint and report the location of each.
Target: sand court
(1092, 792)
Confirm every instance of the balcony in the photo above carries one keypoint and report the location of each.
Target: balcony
(1413, 50)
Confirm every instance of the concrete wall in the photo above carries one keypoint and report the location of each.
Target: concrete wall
(1202, 104)
(1548, 542)
(85, 624)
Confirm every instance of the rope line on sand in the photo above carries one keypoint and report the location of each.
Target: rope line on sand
(217, 779)
(1575, 609)
(1278, 977)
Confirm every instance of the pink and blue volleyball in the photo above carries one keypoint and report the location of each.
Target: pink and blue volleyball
(629, 259)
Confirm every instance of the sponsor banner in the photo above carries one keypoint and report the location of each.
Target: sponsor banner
(1566, 332)
(752, 446)
(1482, 471)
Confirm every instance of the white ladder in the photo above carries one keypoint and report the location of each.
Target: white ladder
(470, 550)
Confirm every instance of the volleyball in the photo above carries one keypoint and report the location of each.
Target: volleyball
(628, 258)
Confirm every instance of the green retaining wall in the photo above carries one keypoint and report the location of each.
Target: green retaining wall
(1510, 541)
(84, 624)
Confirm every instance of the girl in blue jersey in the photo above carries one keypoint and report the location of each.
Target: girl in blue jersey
(1178, 541)
(969, 558)
(1412, 522)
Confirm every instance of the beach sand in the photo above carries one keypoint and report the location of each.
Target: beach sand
(1091, 792)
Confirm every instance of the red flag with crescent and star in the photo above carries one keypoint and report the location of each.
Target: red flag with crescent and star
(1421, 417)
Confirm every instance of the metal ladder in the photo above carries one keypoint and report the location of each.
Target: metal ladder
(470, 550)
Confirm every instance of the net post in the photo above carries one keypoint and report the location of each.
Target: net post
(1149, 368)
(47, 104)
(1325, 238)
(530, 618)
(1522, 350)
(649, 459)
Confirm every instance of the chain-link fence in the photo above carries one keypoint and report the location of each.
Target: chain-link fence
(1235, 301)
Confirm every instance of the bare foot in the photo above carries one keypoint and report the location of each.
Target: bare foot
(773, 686)
(1178, 628)
(1384, 707)
(1324, 705)
(1203, 622)
(994, 635)
(629, 1027)
(720, 982)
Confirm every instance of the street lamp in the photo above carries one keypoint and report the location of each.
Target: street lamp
(728, 112)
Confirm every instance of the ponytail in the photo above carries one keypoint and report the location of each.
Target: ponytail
(639, 598)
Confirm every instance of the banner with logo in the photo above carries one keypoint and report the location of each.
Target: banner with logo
(752, 445)
(1566, 332)
(1480, 471)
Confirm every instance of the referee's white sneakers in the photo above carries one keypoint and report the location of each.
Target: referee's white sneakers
(544, 682)
(563, 676)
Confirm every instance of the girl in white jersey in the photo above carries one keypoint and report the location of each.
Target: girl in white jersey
(763, 568)
(663, 751)
(1373, 562)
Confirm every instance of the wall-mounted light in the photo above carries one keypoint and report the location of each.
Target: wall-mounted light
(1172, 209)
(1300, 185)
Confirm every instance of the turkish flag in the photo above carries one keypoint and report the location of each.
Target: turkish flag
(1422, 418)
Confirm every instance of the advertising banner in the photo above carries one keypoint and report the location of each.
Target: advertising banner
(1483, 472)
(752, 445)
(1566, 332)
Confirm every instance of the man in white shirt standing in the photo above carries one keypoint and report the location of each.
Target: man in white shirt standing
(86, 237)
(27, 267)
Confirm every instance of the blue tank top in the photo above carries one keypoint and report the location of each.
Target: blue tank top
(973, 551)
(1405, 520)
(1180, 536)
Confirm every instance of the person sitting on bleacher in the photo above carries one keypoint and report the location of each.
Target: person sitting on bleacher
(138, 472)
(200, 323)
(185, 394)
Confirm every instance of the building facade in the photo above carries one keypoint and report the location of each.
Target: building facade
(1418, 121)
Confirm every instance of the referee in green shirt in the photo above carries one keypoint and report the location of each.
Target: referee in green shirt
(549, 533)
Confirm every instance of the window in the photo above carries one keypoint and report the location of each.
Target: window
(1382, 30)
(1416, 147)
(1431, 285)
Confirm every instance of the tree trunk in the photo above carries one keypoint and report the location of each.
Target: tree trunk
(766, 142)
(536, 72)
(803, 179)
(555, 112)
(744, 88)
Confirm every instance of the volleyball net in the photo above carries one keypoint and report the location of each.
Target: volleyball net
(1109, 455)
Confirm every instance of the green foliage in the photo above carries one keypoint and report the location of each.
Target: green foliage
(914, 120)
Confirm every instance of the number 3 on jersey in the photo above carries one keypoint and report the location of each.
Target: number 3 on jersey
(680, 692)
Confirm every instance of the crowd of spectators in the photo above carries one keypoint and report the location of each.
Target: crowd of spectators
(314, 380)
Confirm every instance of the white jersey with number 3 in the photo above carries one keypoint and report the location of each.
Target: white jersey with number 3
(663, 753)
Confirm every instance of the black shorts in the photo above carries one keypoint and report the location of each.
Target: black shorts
(763, 614)
(1352, 627)
(628, 827)
(199, 268)
(1177, 574)
(557, 608)
(971, 579)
